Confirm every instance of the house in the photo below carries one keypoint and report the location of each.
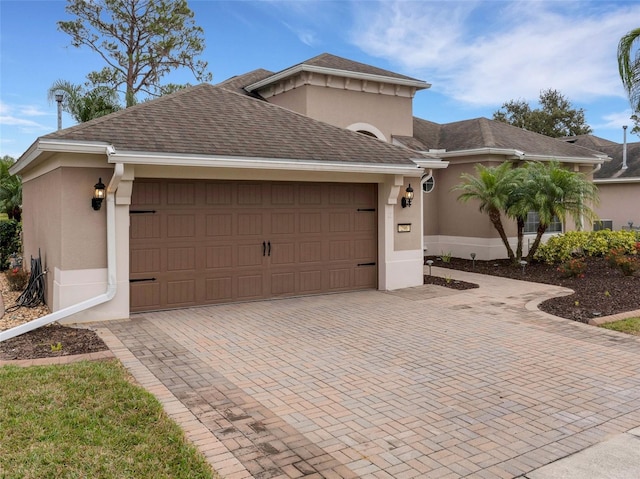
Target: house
(618, 181)
(315, 179)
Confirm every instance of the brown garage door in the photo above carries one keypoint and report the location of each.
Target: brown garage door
(207, 242)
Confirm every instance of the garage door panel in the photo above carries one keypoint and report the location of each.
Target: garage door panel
(310, 194)
(249, 255)
(145, 296)
(181, 259)
(219, 194)
(310, 281)
(365, 249)
(219, 289)
(283, 223)
(219, 225)
(283, 194)
(283, 253)
(340, 222)
(339, 250)
(144, 260)
(365, 276)
(147, 194)
(217, 257)
(250, 224)
(181, 194)
(339, 278)
(363, 195)
(145, 227)
(340, 194)
(365, 222)
(181, 293)
(250, 286)
(283, 283)
(310, 251)
(181, 226)
(250, 194)
(310, 223)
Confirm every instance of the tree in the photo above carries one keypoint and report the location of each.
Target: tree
(556, 117)
(492, 187)
(553, 191)
(10, 190)
(629, 67)
(84, 105)
(140, 40)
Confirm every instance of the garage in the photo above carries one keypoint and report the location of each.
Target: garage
(197, 242)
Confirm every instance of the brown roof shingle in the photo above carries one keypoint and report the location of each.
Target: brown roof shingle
(485, 133)
(209, 120)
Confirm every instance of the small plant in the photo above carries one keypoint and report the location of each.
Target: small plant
(607, 294)
(446, 257)
(56, 347)
(447, 279)
(574, 268)
(17, 279)
(576, 303)
(626, 263)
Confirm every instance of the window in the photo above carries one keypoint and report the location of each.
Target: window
(531, 224)
(428, 183)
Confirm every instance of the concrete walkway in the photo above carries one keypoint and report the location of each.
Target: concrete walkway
(424, 382)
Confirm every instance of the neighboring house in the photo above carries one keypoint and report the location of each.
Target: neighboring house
(618, 182)
(266, 185)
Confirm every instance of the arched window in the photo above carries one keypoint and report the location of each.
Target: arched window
(428, 183)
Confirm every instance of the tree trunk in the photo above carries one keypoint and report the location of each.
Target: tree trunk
(494, 216)
(520, 222)
(534, 247)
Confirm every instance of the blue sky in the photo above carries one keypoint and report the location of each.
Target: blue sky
(476, 54)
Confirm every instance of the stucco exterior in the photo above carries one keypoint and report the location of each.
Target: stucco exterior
(619, 202)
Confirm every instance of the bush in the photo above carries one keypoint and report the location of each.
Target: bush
(626, 263)
(9, 241)
(563, 247)
(574, 268)
(17, 279)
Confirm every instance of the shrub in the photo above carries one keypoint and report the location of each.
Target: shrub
(574, 268)
(17, 279)
(564, 246)
(9, 241)
(626, 263)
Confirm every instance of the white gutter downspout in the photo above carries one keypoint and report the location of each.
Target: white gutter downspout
(624, 148)
(111, 270)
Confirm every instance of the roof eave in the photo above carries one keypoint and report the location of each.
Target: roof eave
(222, 161)
(46, 145)
(604, 181)
(419, 85)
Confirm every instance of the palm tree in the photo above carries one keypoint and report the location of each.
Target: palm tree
(493, 187)
(84, 105)
(629, 67)
(555, 192)
(10, 191)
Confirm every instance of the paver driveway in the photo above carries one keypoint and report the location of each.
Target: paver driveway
(424, 382)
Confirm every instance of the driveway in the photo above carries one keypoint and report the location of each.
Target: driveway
(423, 382)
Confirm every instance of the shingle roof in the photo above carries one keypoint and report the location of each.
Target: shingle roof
(327, 60)
(485, 133)
(238, 82)
(209, 120)
(612, 169)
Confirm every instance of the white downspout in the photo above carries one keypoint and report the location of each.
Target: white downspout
(111, 270)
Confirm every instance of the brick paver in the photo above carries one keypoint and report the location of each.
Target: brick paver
(406, 384)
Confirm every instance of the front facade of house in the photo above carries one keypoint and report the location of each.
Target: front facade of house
(267, 185)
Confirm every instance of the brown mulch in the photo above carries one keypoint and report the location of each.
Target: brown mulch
(448, 282)
(49, 341)
(602, 291)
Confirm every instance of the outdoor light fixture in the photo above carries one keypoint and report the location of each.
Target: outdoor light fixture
(408, 196)
(98, 195)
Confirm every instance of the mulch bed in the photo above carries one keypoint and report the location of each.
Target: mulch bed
(51, 341)
(602, 291)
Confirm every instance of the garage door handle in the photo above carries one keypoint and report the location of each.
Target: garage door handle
(264, 248)
(269, 243)
(141, 279)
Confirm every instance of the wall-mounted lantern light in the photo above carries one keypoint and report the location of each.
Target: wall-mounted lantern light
(408, 197)
(98, 195)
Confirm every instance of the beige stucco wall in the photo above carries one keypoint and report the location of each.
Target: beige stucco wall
(619, 202)
(392, 115)
(410, 215)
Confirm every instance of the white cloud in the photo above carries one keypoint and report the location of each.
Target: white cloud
(305, 35)
(486, 53)
(615, 120)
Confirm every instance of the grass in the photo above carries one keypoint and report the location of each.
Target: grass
(87, 419)
(629, 326)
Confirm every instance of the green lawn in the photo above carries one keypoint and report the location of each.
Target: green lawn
(629, 326)
(88, 420)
